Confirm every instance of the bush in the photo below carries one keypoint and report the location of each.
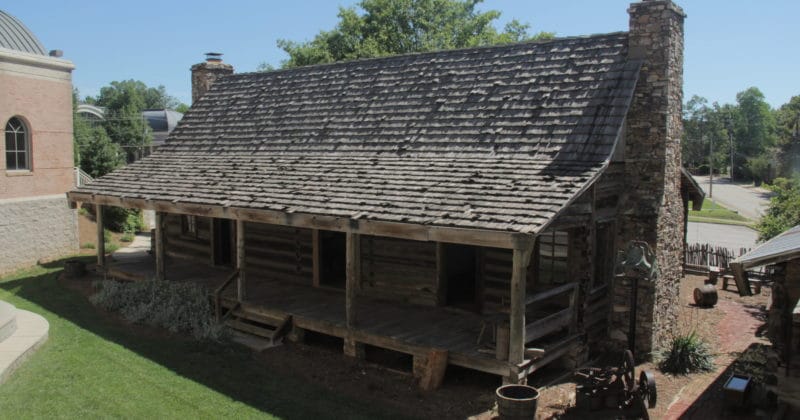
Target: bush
(123, 220)
(178, 307)
(127, 237)
(88, 245)
(687, 353)
(784, 209)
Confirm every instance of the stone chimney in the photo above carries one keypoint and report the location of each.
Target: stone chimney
(652, 208)
(204, 74)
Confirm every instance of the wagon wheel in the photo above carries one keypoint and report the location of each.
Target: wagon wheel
(647, 387)
(626, 371)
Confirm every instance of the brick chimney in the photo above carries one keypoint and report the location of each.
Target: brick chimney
(204, 74)
(652, 208)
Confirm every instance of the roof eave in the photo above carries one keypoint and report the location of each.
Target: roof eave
(419, 232)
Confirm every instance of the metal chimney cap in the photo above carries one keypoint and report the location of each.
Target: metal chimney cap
(213, 56)
(56, 53)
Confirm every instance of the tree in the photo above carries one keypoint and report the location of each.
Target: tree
(704, 125)
(788, 124)
(94, 152)
(124, 102)
(390, 27)
(754, 131)
(784, 209)
(99, 155)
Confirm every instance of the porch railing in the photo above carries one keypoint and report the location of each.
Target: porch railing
(555, 321)
(81, 177)
(218, 293)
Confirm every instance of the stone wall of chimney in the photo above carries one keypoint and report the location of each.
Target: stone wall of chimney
(204, 74)
(652, 205)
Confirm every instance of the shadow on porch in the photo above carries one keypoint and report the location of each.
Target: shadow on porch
(405, 328)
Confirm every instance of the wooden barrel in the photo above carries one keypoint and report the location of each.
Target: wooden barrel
(516, 402)
(705, 296)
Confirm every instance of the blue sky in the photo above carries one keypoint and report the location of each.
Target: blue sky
(730, 45)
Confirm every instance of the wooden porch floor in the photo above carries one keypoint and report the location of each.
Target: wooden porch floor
(406, 328)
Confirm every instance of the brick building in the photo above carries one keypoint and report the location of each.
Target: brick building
(36, 154)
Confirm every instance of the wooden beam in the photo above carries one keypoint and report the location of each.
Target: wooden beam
(441, 282)
(521, 259)
(353, 267)
(476, 237)
(435, 366)
(212, 241)
(101, 241)
(315, 257)
(159, 251)
(241, 284)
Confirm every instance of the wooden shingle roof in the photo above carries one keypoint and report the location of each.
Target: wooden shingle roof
(498, 138)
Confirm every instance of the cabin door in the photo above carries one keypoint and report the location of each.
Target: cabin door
(460, 276)
(223, 242)
(333, 259)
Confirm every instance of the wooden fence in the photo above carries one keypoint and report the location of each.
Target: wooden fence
(707, 255)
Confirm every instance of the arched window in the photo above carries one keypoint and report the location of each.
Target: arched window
(18, 147)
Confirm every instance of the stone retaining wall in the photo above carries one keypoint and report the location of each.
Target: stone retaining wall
(36, 228)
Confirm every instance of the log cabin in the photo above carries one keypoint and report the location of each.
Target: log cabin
(463, 207)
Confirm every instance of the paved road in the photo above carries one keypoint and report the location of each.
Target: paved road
(728, 236)
(749, 201)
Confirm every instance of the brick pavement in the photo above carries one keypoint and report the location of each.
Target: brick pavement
(701, 398)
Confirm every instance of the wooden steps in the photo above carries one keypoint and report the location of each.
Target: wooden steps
(271, 328)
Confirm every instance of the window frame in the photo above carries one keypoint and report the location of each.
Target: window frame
(22, 128)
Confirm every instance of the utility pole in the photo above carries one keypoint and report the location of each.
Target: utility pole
(711, 168)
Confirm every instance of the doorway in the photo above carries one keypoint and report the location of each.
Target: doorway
(333, 259)
(223, 242)
(460, 275)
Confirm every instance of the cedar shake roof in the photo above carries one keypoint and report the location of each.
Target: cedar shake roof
(498, 138)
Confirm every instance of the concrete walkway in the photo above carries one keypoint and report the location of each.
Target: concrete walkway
(29, 334)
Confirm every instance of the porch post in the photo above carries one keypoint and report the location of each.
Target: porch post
(353, 276)
(240, 260)
(159, 251)
(522, 257)
(101, 241)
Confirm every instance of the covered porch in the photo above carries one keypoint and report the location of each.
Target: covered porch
(511, 341)
(467, 339)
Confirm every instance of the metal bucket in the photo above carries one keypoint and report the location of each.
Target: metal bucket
(516, 402)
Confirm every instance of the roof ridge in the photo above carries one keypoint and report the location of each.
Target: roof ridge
(413, 54)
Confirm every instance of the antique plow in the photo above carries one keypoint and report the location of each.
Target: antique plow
(616, 388)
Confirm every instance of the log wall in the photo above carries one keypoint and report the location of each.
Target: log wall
(399, 270)
(182, 244)
(276, 252)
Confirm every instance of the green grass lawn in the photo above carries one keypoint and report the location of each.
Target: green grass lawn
(715, 211)
(94, 367)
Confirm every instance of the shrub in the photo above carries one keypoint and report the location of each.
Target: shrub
(88, 245)
(123, 220)
(177, 307)
(687, 353)
(127, 237)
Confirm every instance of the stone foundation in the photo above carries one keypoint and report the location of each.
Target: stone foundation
(34, 229)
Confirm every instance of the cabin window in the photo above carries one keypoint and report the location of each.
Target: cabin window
(333, 259)
(553, 250)
(459, 271)
(18, 147)
(604, 254)
(189, 225)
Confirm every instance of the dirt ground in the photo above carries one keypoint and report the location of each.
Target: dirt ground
(384, 378)
(733, 329)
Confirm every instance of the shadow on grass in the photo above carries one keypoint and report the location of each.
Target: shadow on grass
(227, 369)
